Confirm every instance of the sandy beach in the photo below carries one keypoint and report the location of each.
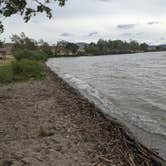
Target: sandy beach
(48, 123)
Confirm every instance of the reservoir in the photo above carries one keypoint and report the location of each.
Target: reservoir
(128, 87)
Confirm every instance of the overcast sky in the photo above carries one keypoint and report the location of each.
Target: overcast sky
(90, 20)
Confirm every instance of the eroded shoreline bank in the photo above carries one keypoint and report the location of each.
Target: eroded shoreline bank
(53, 125)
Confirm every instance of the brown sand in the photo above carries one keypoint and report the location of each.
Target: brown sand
(47, 123)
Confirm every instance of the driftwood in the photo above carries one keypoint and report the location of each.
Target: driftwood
(136, 153)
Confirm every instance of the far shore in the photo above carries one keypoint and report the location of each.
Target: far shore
(91, 55)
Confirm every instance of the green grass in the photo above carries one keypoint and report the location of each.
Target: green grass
(25, 69)
(23, 65)
(35, 55)
(21, 71)
(6, 74)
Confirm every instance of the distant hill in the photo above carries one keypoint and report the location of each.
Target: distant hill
(157, 47)
(163, 46)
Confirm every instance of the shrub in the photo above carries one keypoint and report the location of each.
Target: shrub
(25, 69)
(35, 55)
(21, 70)
(6, 74)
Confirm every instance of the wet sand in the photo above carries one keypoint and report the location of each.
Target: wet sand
(49, 123)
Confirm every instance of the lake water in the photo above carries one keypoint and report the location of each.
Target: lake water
(130, 87)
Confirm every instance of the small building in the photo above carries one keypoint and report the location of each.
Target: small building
(2, 53)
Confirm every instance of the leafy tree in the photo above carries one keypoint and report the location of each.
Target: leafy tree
(158, 48)
(144, 46)
(92, 49)
(71, 47)
(45, 47)
(60, 48)
(65, 48)
(26, 8)
(118, 44)
(103, 46)
(114, 47)
(1, 43)
(134, 45)
(23, 42)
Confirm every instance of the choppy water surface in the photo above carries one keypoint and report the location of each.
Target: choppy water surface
(135, 84)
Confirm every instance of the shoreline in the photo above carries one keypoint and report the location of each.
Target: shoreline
(53, 125)
(92, 55)
(151, 140)
(129, 132)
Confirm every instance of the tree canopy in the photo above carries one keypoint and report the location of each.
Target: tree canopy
(1, 43)
(72, 47)
(26, 8)
(23, 42)
(114, 47)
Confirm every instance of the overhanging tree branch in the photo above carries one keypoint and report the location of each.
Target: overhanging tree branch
(11, 7)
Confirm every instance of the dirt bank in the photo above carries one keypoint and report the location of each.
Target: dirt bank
(47, 123)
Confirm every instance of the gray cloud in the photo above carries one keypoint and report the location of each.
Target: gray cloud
(139, 33)
(132, 34)
(66, 34)
(126, 34)
(106, 0)
(153, 22)
(162, 38)
(92, 34)
(125, 26)
(35, 21)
